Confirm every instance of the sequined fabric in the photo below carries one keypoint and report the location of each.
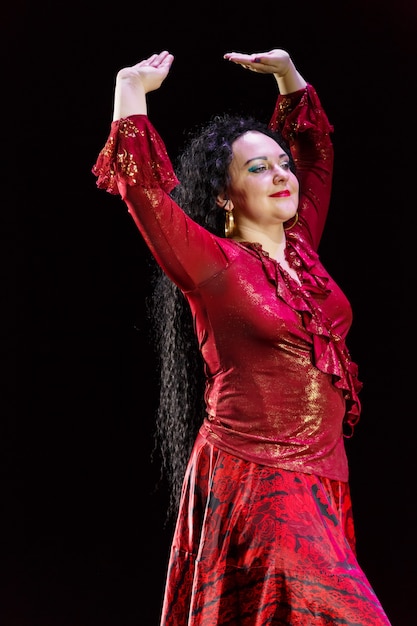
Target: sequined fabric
(265, 533)
(280, 380)
(122, 159)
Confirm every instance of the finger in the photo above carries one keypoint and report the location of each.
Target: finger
(251, 62)
(237, 57)
(163, 55)
(167, 59)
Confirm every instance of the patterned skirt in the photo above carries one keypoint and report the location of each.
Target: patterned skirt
(257, 546)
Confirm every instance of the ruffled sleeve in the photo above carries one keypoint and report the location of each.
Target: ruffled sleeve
(300, 112)
(303, 123)
(134, 164)
(134, 154)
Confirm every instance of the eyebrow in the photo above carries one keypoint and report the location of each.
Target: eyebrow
(265, 158)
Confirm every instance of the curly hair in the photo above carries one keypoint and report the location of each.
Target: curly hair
(203, 171)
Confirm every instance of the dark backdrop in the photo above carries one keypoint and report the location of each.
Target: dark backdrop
(83, 539)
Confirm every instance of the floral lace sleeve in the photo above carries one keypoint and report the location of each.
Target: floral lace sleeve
(301, 112)
(134, 154)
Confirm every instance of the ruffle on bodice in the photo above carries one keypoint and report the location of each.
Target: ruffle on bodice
(329, 352)
(125, 161)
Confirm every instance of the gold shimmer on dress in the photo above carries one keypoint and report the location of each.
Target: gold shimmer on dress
(265, 532)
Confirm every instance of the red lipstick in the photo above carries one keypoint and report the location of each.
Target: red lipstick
(280, 194)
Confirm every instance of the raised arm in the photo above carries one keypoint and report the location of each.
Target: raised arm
(303, 123)
(133, 83)
(277, 62)
(135, 164)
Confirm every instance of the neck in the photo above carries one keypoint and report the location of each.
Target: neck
(273, 243)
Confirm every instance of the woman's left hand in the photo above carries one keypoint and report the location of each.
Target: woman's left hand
(275, 61)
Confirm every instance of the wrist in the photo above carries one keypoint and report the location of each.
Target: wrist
(291, 80)
(129, 99)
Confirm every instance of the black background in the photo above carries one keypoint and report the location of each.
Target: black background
(83, 540)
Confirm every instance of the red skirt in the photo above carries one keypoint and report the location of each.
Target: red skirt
(257, 546)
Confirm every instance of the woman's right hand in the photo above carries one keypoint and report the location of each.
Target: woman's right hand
(150, 72)
(133, 83)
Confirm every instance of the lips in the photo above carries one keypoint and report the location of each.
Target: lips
(280, 194)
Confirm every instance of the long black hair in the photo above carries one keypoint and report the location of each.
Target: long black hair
(203, 171)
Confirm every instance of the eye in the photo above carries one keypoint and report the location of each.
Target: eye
(257, 168)
(285, 165)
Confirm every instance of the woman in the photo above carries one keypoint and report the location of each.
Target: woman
(264, 531)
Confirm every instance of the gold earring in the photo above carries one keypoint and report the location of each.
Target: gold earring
(294, 222)
(229, 224)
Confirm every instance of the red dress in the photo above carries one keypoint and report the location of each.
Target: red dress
(265, 533)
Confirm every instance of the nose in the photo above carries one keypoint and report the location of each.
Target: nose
(280, 174)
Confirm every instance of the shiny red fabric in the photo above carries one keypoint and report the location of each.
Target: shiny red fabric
(280, 380)
(265, 533)
(256, 545)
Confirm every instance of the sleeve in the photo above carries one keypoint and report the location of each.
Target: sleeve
(304, 125)
(125, 159)
(134, 163)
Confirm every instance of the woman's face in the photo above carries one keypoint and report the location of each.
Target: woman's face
(262, 188)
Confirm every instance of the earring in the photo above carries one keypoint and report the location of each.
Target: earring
(294, 222)
(229, 224)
